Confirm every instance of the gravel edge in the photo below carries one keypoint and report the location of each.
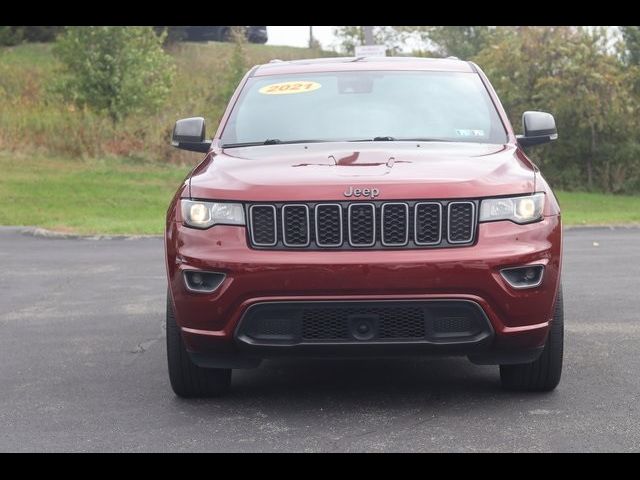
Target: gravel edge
(45, 233)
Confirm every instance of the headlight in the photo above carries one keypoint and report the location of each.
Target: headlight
(206, 214)
(525, 209)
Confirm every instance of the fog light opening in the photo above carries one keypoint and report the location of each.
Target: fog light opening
(203, 282)
(529, 276)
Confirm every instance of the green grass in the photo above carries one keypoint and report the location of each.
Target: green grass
(112, 196)
(126, 196)
(579, 208)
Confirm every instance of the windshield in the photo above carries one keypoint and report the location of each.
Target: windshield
(364, 106)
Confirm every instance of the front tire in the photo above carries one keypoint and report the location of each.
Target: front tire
(543, 375)
(187, 379)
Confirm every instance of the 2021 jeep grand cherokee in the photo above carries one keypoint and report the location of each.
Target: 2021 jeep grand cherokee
(364, 206)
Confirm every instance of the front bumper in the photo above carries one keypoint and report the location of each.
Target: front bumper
(519, 319)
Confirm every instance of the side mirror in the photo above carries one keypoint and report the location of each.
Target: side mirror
(188, 134)
(539, 127)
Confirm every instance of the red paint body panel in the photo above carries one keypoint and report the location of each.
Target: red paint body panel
(399, 170)
(410, 171)
(519, 317)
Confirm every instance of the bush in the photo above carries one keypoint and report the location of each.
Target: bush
(10, 36)
(14, 35)
(115, 70)
(234, 70)
(173, 34)
(573, 73)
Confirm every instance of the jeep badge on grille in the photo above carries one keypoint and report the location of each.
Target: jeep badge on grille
(362, 192)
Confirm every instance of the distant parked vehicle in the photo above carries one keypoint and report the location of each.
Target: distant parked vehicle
(223, 34)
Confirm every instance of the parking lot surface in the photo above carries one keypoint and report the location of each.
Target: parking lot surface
(83, 368)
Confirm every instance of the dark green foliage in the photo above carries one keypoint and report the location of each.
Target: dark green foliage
(631, 37)
(14, 35)
(235, 68)
(572, 73)
(174, 34)
(10, 36)
(116, 70)
(459, 41)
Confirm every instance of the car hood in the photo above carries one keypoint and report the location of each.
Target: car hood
(398, 170)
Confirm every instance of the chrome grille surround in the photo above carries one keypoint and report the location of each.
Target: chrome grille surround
(415, 223)
(465, 224)
(336, 207)
(361, 225)
(253, 226)
(384, 226)
(288, 224)
(350, 224)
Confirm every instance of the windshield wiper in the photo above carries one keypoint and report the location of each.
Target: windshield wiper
(269, 141)
(393, 139)
(276, 141)
(375, 139)
(423, 140)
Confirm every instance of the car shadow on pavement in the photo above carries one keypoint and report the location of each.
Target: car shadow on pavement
(349, 382)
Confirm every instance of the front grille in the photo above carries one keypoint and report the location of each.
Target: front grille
(451, 324)
(362, 224)
(291, 323)
(328, 225)
(295, 225)
(461, 222)
(395, 224)
(358, 225)
(263, 225)
(428, 223)
(327, 324)
(392, 322)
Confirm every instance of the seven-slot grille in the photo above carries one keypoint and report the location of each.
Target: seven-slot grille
(362, 225)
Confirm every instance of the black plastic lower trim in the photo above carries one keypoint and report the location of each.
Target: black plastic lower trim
(353, 325)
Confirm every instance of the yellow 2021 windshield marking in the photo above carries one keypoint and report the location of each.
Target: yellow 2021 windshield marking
(287, 88)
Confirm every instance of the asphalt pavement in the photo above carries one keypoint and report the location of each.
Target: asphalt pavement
(83, 368)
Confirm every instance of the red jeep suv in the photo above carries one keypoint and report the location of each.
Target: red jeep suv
(364, 207)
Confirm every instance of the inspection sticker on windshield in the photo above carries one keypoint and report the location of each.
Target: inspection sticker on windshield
(469, 133)
(286, 88)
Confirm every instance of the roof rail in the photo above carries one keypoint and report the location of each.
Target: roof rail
(451, 57)
(276, 60)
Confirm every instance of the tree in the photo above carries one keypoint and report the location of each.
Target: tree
(116, 70)
(631, 37)
(13, 35)
(173, 34)
(461, 42)
(235, 69)
(443, 41)
(351, 36)
(570, 72)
